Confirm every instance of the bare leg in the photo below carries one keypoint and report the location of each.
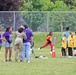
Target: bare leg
(10, 53)
(6, 53)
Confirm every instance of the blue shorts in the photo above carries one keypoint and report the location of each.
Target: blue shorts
(8, 45)
(0, 44)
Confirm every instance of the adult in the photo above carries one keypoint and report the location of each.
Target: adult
(66, 32)
(18, 46)
(26, 44)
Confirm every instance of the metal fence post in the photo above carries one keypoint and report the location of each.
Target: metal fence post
(14, 21)
(47, 21)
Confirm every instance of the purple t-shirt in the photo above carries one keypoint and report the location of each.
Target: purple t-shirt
(0, 37)
(8, 36)
(29, 34)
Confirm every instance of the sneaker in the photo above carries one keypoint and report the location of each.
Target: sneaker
(28, 61)
(21, 60)
(69, 56)
(50, 52)
(10, 60)
(39, 48)
(74, 56)
(5, 60)
(63, 56)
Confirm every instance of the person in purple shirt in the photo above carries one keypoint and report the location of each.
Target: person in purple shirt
(26, 44)
(0, 38)
(8, 43)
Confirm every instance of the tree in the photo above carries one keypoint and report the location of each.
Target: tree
(45, 5)
(10, 5)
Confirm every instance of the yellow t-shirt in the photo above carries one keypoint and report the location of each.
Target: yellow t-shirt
(70, 41)
(74, 40)
(64, 42)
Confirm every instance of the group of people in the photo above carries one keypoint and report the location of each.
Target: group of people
(22, 45)
(68, 43)
(23, 40)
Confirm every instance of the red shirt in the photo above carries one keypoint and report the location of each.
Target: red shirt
(49, 39)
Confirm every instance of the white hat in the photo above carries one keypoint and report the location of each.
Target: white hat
(22, 27)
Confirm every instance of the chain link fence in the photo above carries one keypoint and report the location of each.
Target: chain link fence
(39, 21)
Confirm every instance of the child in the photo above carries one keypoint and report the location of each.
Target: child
(74, 44)
(48, 42)
(63, 46)
(18, 46)
(8, 43)
(0, 38)
(70, 44)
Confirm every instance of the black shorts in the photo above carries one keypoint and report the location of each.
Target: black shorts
(74, 48)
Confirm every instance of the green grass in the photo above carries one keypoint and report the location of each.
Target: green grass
(50, 66)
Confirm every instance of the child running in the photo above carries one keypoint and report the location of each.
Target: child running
(70, 45)
(63, 50)
(18, 46)
(74, 44)
(48, 42)
(7, 36)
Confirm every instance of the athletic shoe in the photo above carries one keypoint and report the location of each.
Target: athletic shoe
(63, 56)
(75, 57)
(10, 60)
(50, 52)
(69, 56)
(5, 60)
(28, 61)
(20, 60)
(39, 48)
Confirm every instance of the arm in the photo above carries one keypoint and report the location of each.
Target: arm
(24, 36)
(3, 38)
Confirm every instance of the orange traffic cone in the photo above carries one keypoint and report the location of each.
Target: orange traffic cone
(53, 52)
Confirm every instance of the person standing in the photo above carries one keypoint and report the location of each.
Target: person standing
(63, 49)
(74, 44)
(66, 32)
(26, 44)
(7, 37)
(70, 45)
(0, 38)
(18, 46)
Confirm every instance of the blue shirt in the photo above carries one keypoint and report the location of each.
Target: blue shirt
(67, 34)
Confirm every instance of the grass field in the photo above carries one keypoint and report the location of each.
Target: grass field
(50, 66)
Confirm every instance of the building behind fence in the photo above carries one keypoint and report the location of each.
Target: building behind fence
(39, 21)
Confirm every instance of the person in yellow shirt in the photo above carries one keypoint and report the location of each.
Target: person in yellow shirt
(63, 50)
(74, 44)
(70, 45)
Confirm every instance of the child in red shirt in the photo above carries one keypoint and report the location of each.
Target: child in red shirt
(48, 42)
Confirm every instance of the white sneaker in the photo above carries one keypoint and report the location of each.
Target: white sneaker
(38, 48)
(75, 57)
(50, 52)
(28, 61)
(69, 56)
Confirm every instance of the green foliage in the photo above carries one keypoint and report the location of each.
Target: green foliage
(49, 5)
(44, 5)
